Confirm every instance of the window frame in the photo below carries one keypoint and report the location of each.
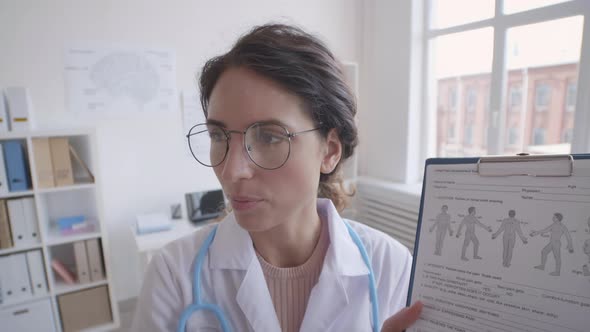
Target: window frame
(498, 105)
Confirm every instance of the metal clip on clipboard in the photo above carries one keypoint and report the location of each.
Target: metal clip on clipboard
(527, 165)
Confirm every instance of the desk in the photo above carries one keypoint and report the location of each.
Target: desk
(147, 244)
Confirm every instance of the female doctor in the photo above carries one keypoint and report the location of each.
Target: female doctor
(279, 123)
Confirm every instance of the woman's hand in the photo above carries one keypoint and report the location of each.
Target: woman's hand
(403, 319)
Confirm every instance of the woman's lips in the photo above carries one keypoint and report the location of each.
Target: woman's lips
(244, 203)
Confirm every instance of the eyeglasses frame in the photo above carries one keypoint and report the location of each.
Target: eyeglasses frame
(228, 136)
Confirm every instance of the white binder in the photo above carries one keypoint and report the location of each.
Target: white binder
(19, 277)
(19, 108)
(36, 272)
(30, 218)
(95, 260)
(3, 178)
(3, 114)
(4, 287)
(16, 215)
(81, 257)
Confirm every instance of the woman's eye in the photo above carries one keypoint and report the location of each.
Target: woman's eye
(270, 138)
(216, 136)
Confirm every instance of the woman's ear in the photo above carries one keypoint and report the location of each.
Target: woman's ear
(333, 152)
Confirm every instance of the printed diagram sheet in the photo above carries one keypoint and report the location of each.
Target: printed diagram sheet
(503, 253)
(119, 80)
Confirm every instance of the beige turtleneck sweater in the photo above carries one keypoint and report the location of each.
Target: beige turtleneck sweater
(290, 287)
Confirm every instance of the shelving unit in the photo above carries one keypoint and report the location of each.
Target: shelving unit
(81, 198)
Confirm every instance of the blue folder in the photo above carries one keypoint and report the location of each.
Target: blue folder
(17, 170)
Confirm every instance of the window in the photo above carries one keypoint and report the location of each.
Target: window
(471, 99)
(451, 133)
(567, 136)
(538, 136)
(468, 139)
(536, 59)
(512, 136)
(570, 97)
(515, 97)
(542, 96)
(452, 99)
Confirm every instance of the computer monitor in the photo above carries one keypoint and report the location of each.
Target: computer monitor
(205, 205)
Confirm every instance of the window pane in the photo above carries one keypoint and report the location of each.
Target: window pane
(447, 13)
(515, 6)
(542, 61)
(462, 81)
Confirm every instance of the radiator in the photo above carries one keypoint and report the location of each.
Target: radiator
(392, 209)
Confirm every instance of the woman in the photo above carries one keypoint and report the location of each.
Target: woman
(280, 120)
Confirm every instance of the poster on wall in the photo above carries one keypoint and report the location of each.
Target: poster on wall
(111, 79)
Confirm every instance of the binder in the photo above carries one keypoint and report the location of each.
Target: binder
(95, 260)
(19, 108)
(3, 114)
(16, 215)
(5, 232)
(5, 288)
(480, 278)
(81, 258)
(31, 222)
(43, 163)
(16, 166)
(18, 279)
(62, 163)
(37, 272)
(3, 177)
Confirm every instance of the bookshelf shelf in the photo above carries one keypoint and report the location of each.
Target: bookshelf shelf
(17, 194)
(56, 239)
(79, 186)
(63, 288)
(24, 301)
(20, 249)
(54, 200)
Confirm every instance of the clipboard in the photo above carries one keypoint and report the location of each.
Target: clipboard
(495, 174)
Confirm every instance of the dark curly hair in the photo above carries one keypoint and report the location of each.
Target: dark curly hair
(304, 66)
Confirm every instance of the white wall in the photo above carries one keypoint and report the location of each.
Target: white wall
(143, 164)
(390, 119)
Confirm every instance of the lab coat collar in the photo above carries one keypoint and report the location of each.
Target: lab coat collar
(232, 247)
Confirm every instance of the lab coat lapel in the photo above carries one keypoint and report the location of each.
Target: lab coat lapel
(326, 301)
(255, 301)
(343, 260)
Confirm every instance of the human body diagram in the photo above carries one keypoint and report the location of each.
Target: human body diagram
(470, 221)
(557, 230)
(442, 225)
(510, 226)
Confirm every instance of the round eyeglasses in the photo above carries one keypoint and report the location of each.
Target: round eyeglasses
(268, 144)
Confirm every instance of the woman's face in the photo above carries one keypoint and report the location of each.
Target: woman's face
(262, 199)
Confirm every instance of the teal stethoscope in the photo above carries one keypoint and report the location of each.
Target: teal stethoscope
(200, 305)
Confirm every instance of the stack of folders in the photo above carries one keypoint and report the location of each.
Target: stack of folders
(74, 225)
(53, 162)
(87, 265)
(15, 109)
(22, 276)
(14, 167)
(18, 223)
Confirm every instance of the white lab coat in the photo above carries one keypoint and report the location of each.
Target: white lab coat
(231, 277)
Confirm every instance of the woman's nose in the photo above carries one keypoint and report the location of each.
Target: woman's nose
(237, 164)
